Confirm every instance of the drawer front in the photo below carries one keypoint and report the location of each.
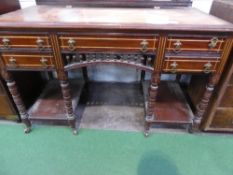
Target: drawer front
(35, 42)
(28, 61)
(174, 65)
(223, 118)
(179, 44)
(142, 44)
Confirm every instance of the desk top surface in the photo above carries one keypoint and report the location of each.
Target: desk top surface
(114, 18)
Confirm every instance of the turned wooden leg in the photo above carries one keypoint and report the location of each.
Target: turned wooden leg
(153, 90)
(203, 104)
(68, 105)
(18, 101)
(142, 78)
(85, 74)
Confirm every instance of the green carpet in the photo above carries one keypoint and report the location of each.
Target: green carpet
(55, 151)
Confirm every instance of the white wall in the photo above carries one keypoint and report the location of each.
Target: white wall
(27, 3)
(203, 5)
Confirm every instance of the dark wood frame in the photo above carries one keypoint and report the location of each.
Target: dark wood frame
(118, 3)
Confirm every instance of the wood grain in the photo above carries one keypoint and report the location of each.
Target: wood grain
(48, 17)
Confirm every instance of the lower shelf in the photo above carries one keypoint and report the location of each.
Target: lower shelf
(50, 104)
(171, 106)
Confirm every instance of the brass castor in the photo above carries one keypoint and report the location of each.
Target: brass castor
(27, 130)
(146, 133)
(190, 128)
(75, 132)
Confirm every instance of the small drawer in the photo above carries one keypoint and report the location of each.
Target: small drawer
(142, 44)
(35, 42)
(223, 118)
(182, 44)
(174, 64)
(28, 61)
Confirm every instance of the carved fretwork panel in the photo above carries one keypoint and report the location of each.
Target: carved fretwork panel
(144, 62)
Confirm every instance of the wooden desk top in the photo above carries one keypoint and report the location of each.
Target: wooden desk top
(188, 19)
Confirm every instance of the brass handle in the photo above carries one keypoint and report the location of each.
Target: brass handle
(177, 46)
(13, 62)
(207, 67)
(6, 43)
(174, 67)
(44, 62)
(71, 44)
(213, 43)
(144, 45)
(40, 43)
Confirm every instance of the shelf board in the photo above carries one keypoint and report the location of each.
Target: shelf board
(171, 106)
(50, 105)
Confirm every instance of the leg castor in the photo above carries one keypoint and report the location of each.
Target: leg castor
(146, 133)
(28, 125)
(190, 128)
(75, 132)
(27, 130)
(146, 129)
(73, 126)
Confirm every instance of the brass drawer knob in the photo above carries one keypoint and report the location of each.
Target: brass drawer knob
(71, 44)
(6, 43)
(40, 43)
(173, 66)
(44, 62)
(12, 62)
(213, 43)
(207, 67)
(177, 46)
(144, 45)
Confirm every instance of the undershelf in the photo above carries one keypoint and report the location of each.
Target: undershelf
(50, 104)
(171, 106)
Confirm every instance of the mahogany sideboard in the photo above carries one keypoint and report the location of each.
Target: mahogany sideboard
(58, 39)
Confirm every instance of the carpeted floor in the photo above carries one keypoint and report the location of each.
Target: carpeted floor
(55, 151)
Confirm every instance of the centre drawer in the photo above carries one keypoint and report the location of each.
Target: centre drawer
(39, 42)
(14, 61)
(111, 43)
(184, 44)
(195, 65)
